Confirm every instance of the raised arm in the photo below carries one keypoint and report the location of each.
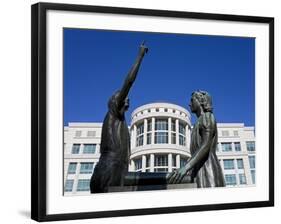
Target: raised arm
(132, 75)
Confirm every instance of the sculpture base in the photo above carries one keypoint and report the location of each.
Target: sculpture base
(150, 181)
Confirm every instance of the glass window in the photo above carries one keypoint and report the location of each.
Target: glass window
(183, 161)
(161, 160)
(138, 164)
(173, 138)
(75, 148)
(148, 138)
(225, 133)
(159, 170)
(253, 174)
(226, 146)
(173, 124)
(149, 125)
(68, 185)
(147, 160)
(72, 168)
(242, 178)
(228, 164)
(140, 140)
(140, 129)
(174, 160)
(237, 146)
(182, 128)
(235, 133)
(78, 133)
(91, 133)
(250, 146)
(230, 179)
(89, 148)
(83, 185)
(240, 164)
(252, 162)
(86, 168)
(161, 137)
(161, 124)
(181, 140)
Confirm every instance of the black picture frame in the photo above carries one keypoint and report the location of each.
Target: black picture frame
(39, 114)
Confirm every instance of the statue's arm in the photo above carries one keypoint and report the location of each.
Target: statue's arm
(131, 75)
(206, 137)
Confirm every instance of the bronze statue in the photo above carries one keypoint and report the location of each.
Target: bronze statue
(203, 164)
(115, 139)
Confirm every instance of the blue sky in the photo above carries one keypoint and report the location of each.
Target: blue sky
(96, 63)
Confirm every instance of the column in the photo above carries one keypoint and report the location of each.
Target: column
(145, 132)
(177, 132)
(247, 170)
(187, 136)
(134, 137)
(132, 166)
(152, 130)
(151, 162)
(170, 162)
(143, 163)
(169, 130)
(178, 161)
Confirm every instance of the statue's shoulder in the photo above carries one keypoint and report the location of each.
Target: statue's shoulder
(207, 120)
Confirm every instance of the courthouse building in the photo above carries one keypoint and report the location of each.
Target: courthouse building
(160, 139)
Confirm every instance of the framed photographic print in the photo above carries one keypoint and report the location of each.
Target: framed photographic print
(153, 111)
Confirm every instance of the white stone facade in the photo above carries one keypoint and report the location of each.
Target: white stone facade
(160, 137)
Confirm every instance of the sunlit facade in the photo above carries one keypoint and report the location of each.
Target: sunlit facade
(160, 138)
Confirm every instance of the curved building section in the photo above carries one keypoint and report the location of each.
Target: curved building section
(160, 137)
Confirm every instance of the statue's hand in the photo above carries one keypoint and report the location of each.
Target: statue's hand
(143, 49)
(177, 176)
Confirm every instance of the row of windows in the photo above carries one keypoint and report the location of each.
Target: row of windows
(85, 168)
(225, 133)
(161, 110)
(228, 146)
(79, 133)
(82, 185)
(160, 160)
(230, 179)
(229, 163)
(87, 149)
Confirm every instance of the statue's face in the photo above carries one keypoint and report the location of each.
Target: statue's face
(194, 104)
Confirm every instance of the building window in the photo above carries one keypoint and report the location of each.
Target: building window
(68, 185)
(237, 146)
(226, 146)
(149, 125)
(174, 160)
(228, 164)
(165, 110)
(72, 168)
(86, 168)
(230, 179)
(161, 137)
(147, 161)
(148, 138)
(78, 134)
(253, 174)
(138, 164)
(157, 109)
(91, 134)
(183, 161)
(83, 185)
(140, 130)
(161, 124)
(235, 133)
(161, 160)
(75, 148)
(252, 162)
(159, 170)
(173, 138)
(250, 146)
(225, 133)
(173, 125)
(242, 178)
(89, 148)
(240, 164)
(181, 134)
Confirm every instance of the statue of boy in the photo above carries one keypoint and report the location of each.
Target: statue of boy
(115, 138)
